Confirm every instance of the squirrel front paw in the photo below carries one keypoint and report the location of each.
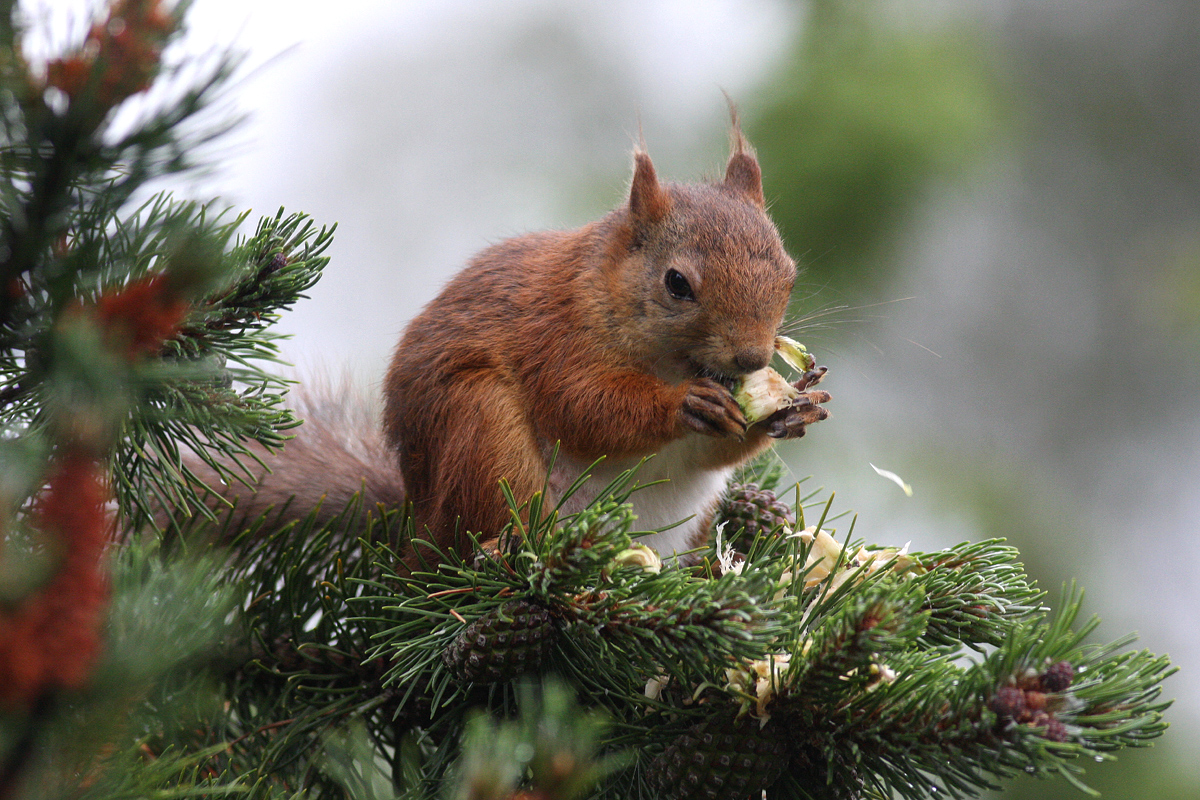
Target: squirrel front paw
(790, 422)
(709, 408)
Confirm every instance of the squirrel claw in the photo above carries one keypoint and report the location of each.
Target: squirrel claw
(811, 378)
(709, 408)
(779, 429)
(792, 422)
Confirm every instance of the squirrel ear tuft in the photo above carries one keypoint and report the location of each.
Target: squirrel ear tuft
(742, 173)
(744, 176)
(648, 201)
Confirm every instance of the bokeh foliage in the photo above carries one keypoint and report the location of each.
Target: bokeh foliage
(867, 109)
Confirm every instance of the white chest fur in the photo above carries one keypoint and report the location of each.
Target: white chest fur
(687, 492)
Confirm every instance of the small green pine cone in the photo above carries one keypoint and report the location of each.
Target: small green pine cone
(721, 759)
(753, 510)
(502, 645)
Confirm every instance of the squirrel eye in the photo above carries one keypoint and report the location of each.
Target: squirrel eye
(678, 286)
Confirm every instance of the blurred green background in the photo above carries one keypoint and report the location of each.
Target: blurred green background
(997, 204)
(1024, 187)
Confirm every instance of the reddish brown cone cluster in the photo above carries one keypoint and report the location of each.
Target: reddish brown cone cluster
(1030, 703)
(120, 55)
(140, 316)
(51, 638)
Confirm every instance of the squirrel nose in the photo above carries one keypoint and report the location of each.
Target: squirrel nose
(752, 359)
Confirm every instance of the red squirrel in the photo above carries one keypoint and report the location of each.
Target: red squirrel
(619, 340)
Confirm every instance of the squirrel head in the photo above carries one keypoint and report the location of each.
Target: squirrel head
(700, 278)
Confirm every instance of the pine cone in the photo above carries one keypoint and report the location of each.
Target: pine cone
(1009, 703)
(1058, 677)
(752, 510)
(720, 759)
(502, 645)
(1056, 731)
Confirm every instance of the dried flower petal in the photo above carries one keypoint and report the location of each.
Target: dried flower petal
(760, 394)
(794, 353)
(894, 478)
(762, 679)
(640, 555)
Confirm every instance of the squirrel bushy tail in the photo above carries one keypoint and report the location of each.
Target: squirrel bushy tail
(336, 452)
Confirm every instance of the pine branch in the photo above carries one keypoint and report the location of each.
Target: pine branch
(868, 626)
(826, 675)
(97, 369)
(207, 391)
(973, 592)
(299, 667)
(213, 394)
(140, 772)
(937, 729)
(61, 170)
(162, 624)
(68, 241)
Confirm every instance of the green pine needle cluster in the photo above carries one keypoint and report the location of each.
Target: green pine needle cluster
(69, 237)
(214, 390)
(87, 379)
(866, 673)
